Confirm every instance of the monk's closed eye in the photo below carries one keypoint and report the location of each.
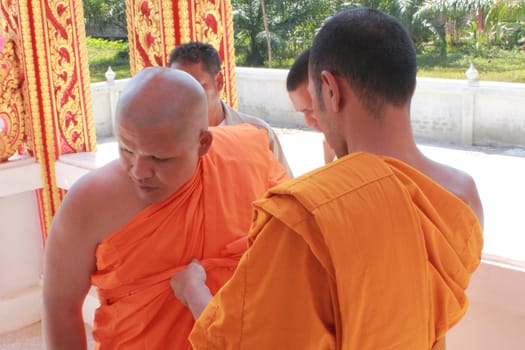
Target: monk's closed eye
(160, 160)
(125, 150)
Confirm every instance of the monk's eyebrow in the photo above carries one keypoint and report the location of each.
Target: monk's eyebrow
(123, 146)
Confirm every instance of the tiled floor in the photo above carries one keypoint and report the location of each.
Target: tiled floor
(30, 338)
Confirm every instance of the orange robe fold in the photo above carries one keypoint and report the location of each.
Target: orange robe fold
(207, 218)
(366, 253)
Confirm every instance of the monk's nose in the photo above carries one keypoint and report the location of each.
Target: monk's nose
(311, 119)
(141, 169)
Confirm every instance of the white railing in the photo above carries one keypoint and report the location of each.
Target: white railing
(455, 111)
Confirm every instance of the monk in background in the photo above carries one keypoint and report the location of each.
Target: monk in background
(373, 251)
(297, 87)
(178, 192)
(202, 61)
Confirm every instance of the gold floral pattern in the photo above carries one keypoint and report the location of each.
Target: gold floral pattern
(12, 112)
(156, 27)
(46, 110)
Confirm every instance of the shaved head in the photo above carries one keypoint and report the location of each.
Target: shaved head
(162, 131)
(158, 95)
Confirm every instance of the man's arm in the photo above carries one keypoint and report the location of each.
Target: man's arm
(277, 150)
(68, 264)
(189, 286)
(279, 287)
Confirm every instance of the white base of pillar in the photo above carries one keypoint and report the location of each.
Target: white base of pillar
(20, 309)
(90, 305)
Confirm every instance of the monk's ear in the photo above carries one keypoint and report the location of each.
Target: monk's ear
(205, 140)
(219, 80)
(331, 90)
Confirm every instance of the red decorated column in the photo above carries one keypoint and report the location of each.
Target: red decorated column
(46, 106)
(156, 27)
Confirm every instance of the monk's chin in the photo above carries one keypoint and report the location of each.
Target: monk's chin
(150, 195)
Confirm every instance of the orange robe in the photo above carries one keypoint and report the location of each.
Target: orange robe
(208, 219)
(366, 253)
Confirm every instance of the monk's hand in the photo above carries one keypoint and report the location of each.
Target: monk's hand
(188, 282)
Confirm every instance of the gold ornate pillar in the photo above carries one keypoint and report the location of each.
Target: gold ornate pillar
(156, 27)
(47, 103)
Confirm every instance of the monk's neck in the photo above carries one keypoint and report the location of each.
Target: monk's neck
(389, 136)
(216, 113)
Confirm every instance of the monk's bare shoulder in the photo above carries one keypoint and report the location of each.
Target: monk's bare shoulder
(460, 183)
(97, 183)
(100, 202)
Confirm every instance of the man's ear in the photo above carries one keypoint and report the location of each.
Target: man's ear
(219, 80)
(205, 141)
(332, 93)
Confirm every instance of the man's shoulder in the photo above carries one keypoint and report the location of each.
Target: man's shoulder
(347, 174)
(91, 206)
(232, 138)
(234, 117)
(97, 181)
(442, 183)
(96, 192)
(462, 185)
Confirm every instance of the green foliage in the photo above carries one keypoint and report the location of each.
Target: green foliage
(292, 25)
(447, 34)
(444, 24)
(101, 14)
(503, 24)
(104, 53)
(494, 65)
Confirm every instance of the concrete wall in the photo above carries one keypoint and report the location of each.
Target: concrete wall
(21, 246)
(495, 318)
(105, 97)
(455, 111)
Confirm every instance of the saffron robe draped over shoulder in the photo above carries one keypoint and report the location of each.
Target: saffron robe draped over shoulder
(208, 219)
(232, 117)
(366, 253)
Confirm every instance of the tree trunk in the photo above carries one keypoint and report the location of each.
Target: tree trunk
(268, 39)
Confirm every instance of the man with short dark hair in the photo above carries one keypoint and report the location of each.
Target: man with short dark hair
(297, 87)
(373, 251)
(202, 61)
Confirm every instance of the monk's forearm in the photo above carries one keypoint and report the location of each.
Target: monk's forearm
(65, 331)
(197, 298)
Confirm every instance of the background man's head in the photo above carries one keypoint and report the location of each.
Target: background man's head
(372, 51)
(297, 87)
(202, 61)
(298, 73)
(161, 128)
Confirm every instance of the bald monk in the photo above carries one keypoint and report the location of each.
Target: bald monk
(373, 251)
(297, 87)
(177, 192)
(202, 61)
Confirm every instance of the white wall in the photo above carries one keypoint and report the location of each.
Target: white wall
(21, 246)
(487, 113)
(495, 318)
(105, 97)
(455, 111)
(500, 114)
